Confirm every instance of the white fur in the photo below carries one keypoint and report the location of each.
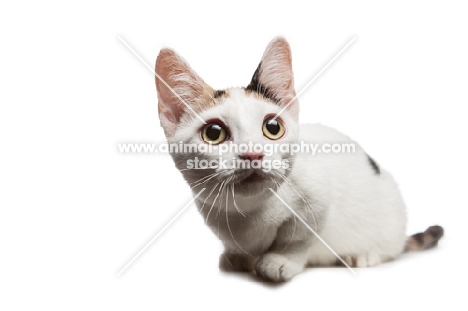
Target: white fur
(365, 213)
(357, 212)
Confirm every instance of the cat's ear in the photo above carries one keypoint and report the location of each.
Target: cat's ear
(274, 76)
(179, 87)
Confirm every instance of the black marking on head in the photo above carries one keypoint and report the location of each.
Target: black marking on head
(256, 86)
(219, 93)
(374, 165)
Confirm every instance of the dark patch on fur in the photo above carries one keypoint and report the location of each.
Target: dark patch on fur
(219, 93)
(256, 86)
(425, 240)
(436, 232)
(374, 165)
(419, 238)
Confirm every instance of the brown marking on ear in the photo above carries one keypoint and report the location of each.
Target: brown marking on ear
(182, 88)
(207, 100)
(183, 80)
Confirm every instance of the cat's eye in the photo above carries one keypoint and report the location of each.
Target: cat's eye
(214, 133)
(273, 128)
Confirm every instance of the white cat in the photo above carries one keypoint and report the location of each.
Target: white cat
(353, 204)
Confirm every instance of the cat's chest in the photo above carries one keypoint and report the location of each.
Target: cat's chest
(253, 231)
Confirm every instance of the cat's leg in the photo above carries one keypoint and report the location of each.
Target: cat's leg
(232, 262)
(363, 260)
(244, 240)
(288, 254)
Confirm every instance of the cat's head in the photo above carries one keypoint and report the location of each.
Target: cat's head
(212, 123)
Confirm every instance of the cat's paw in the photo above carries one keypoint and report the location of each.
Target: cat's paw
(236, 263)
(277, 268)
(362, 261)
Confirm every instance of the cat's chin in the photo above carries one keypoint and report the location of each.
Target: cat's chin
(252, 183)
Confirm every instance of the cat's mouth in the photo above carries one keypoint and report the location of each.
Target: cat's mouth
(250, 177)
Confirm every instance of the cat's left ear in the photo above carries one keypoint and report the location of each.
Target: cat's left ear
(274, 75)
(180, 89)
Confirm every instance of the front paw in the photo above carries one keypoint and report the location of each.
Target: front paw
(277, 268)
(236, 263)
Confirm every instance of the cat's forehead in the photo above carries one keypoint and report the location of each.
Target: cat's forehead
(240, 109)
(241, 103)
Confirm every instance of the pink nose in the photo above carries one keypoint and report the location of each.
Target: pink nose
(251, 156)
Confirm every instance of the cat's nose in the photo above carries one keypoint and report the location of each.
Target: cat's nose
(251, 156)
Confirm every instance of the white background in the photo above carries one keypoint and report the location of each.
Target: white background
(73, 211)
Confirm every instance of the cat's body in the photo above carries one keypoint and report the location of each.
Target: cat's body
(346, 198)
(358, 211)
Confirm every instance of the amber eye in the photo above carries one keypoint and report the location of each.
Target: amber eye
(214, 133)
(273, 128)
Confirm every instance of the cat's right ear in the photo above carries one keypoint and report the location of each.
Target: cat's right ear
(274, 75)
(179, 87)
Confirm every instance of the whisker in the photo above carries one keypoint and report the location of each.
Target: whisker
(223, 196)
(209, 195)
(292, 235)
(207, 176)
(230, 231)
(212, 205)
(235, 203)
(205, 181)
(306, 202)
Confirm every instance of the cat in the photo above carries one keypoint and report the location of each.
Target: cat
(352, 203)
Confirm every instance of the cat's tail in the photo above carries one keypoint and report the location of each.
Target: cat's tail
(424, 240)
